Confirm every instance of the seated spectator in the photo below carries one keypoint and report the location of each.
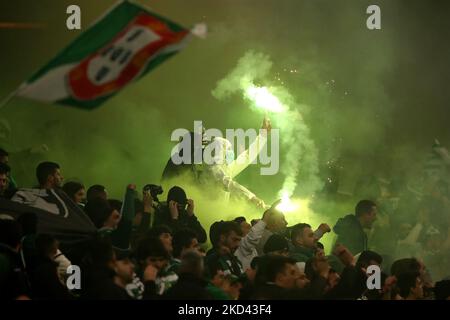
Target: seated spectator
(369, 258)
(281, 278)
(124, 268)
(13, 283)
(183, 241)
(410, 286)
(220, 285)
(49, 175)
(190, 285)
(245, 226)
(97, 278)
(96, 191)
(107, 272)
(413, 265)
(216, 277)
(405, 265)
(125, 276)
(228, 239)
(45, 282)
(102, 214)
(276, 245)
(150, 251)
(164, 234)
(214, 234)
(76, 192)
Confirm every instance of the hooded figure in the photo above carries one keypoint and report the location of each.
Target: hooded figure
(184, 219)
(220, 169)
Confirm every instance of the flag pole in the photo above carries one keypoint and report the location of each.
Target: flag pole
(10, 96)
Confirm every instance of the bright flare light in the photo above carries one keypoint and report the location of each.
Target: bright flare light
(286, 205)
(264, 99)
(296, 210)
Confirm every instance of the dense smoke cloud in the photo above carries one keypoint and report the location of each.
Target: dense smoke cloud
(359, 84)
(300, 153)
(377, 99)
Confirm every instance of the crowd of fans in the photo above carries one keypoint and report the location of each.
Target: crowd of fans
(146, 249)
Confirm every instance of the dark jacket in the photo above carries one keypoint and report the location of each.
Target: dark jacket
(45, 283)
(351, 286)
(99, 285)
(188, 287)
(269, 292)
(351, 234)
(229, 263)
(301, 254)
(13, 281)
(184, 221)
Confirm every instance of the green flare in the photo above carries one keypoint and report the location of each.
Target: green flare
(264, 99)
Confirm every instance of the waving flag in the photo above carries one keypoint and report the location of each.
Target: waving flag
(125, 44)
(56, 213)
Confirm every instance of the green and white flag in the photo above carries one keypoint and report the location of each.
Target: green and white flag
(122, 46)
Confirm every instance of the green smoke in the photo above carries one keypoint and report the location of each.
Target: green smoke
(300, 159)
(377, 99)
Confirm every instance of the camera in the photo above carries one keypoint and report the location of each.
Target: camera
(154, 190)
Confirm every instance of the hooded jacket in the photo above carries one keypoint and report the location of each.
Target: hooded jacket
(351, 234)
